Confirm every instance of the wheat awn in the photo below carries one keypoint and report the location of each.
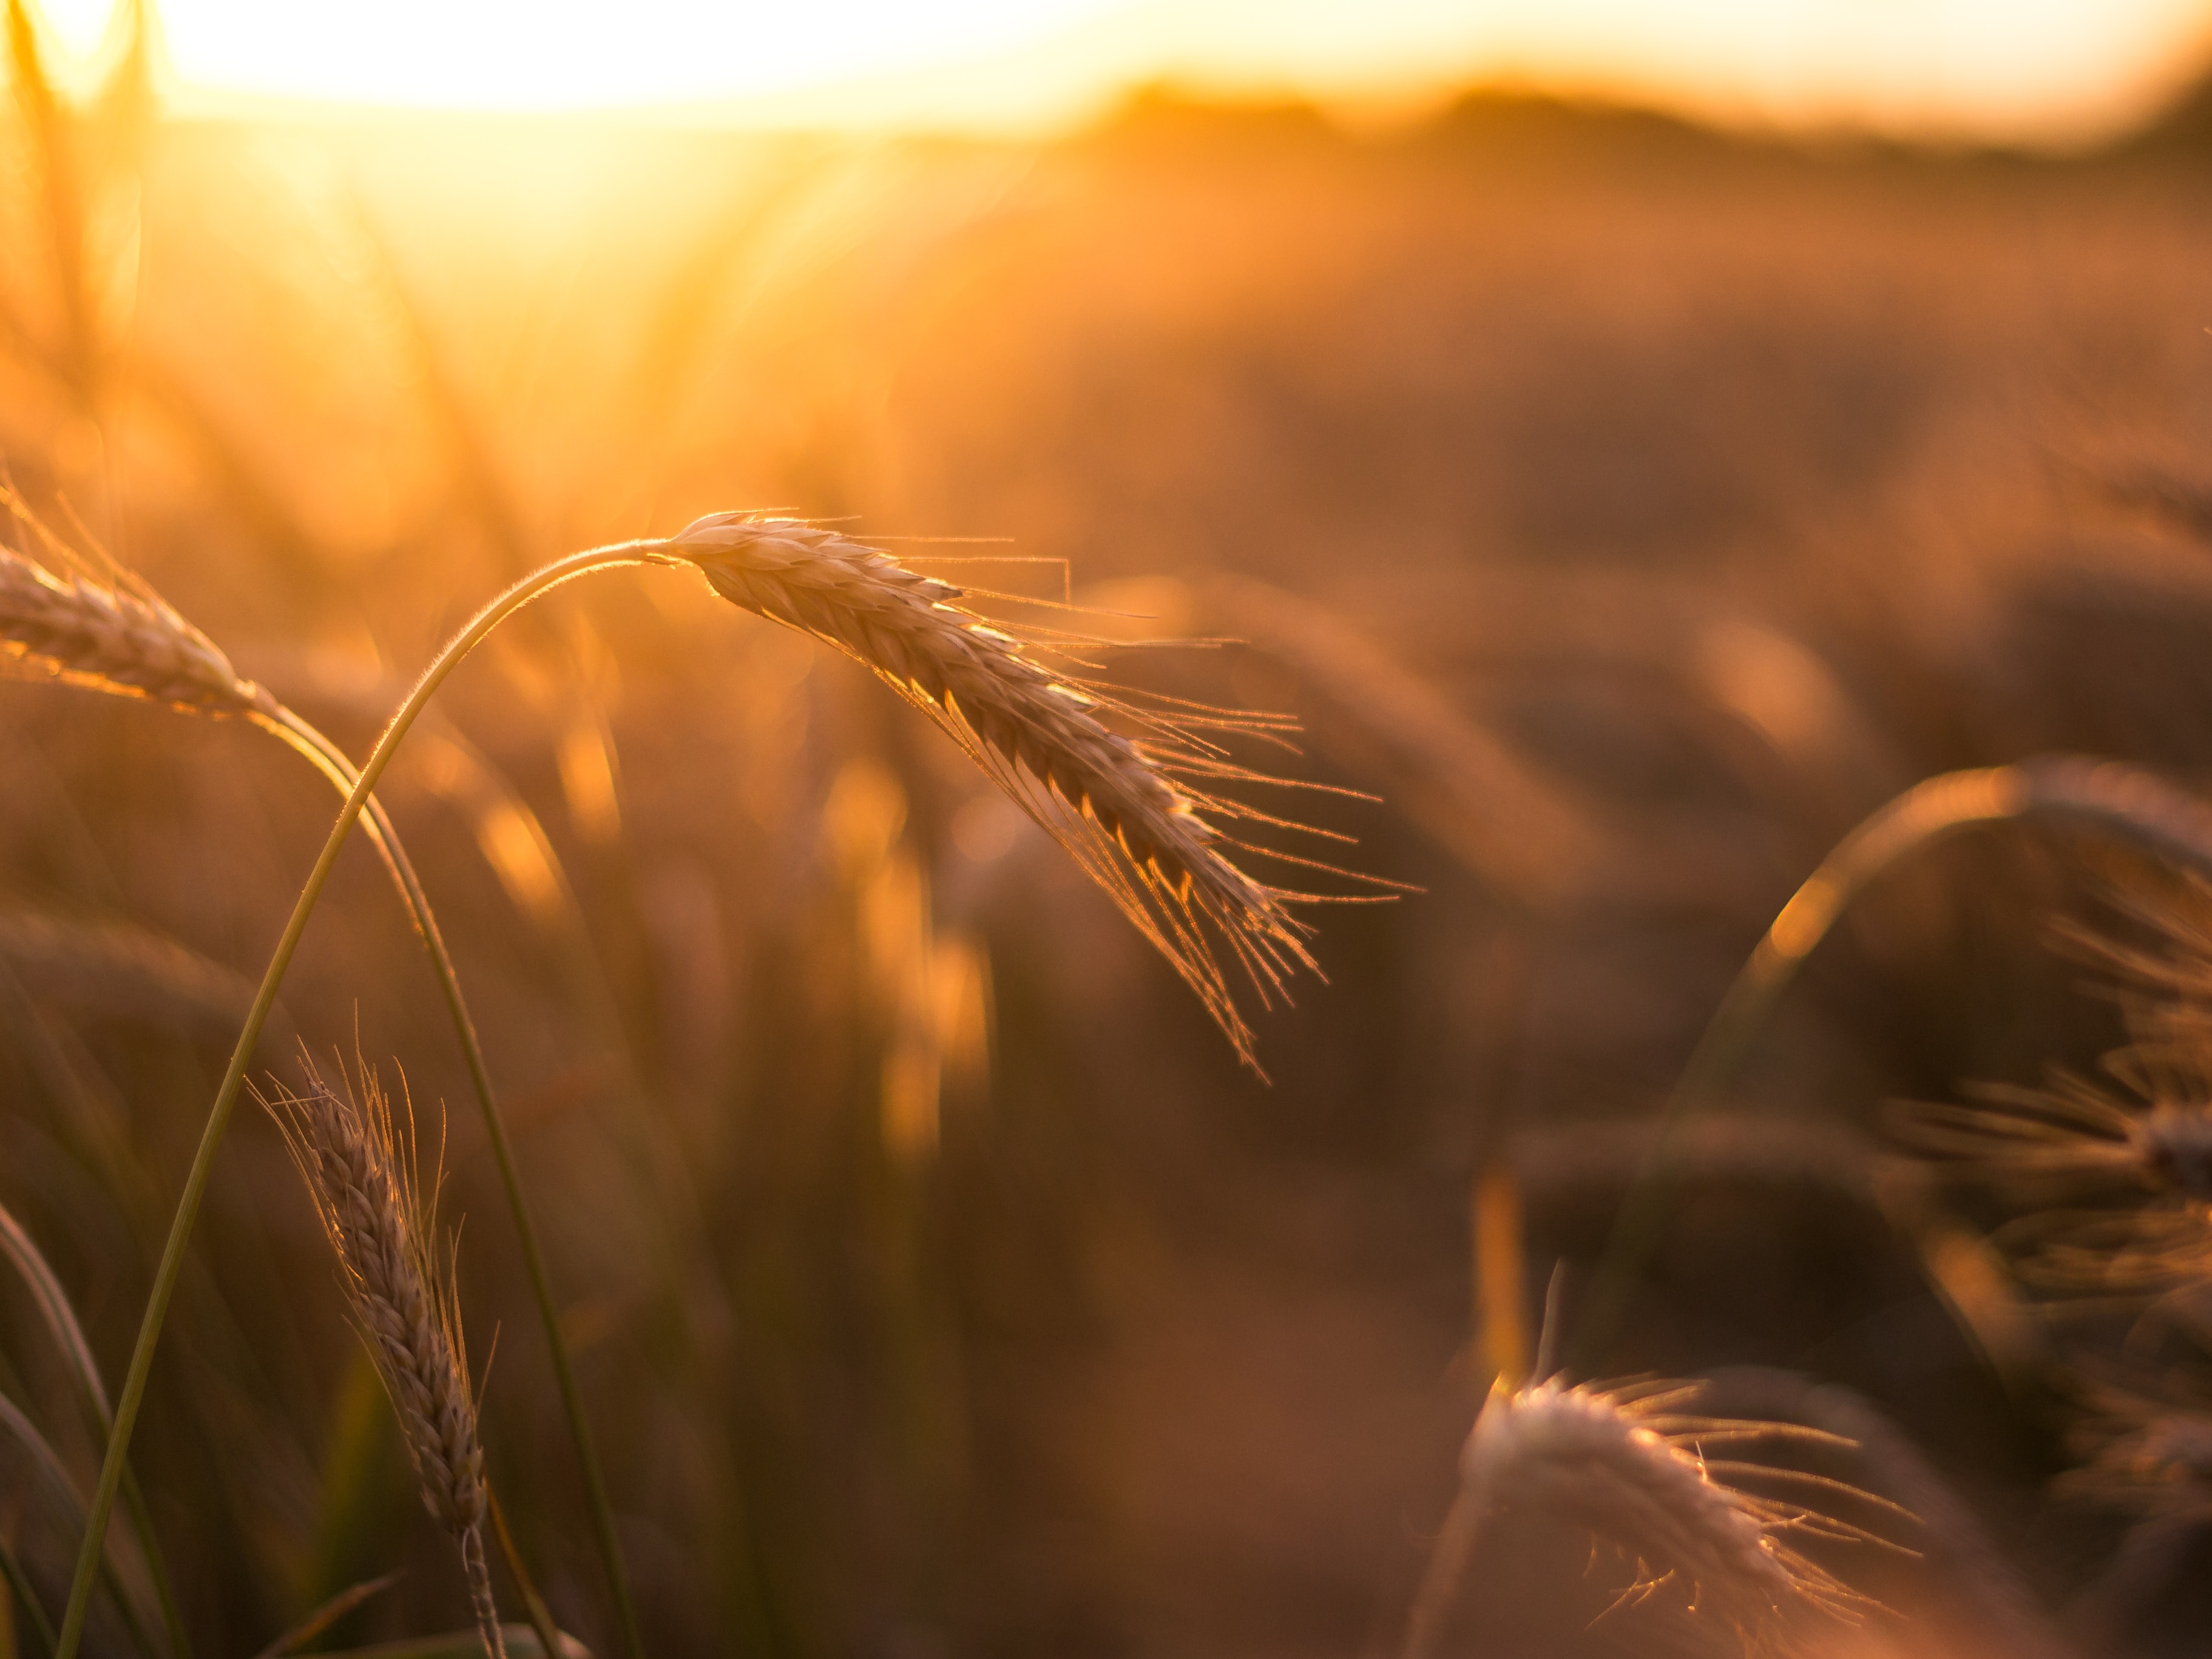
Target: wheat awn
(1127, 810)
(1628, 1464)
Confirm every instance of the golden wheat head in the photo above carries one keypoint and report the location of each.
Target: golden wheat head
(109, 637)
(1126, 809)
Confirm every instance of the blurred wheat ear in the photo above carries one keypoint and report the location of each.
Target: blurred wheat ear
(1628, 1464)
(360, 1169)
(1129, 812)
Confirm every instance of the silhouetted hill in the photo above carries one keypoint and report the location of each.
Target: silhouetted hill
(1512, 122)
(1161, 111)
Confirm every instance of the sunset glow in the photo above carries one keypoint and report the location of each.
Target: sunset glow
(2018, 69)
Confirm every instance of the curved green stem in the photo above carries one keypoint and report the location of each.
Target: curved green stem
(331, 762)
(188, 1203)
(2117, 799)
(26, 1598)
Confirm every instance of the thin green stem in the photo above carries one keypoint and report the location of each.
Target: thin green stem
(26, 1596)
(2117, 800)
(331, 762)
(133, 1395)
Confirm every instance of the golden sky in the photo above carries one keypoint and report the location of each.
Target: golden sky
(2007, 69)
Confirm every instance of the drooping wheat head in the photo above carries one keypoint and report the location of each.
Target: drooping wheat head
(2129, 1154)
(2145, 1450)
(113, 636)
(2151, 1132)
(359, 1166)
(1131, 811)
(1628, 1464)
(2136, 1228)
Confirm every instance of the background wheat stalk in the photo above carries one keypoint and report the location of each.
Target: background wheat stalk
(359, 1172)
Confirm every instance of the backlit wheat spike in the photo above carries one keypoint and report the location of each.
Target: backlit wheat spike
(2158, 1252)
(2134, 1157)
(1118, 805)
(403, 1302)
(2152, 1133)
(111, 639)
(2145, 1454)
(1630, 1467)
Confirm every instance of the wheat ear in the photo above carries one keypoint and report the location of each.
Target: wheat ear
(113, 639)
(1629, 1465)
(359, 1174)
(1127, 811)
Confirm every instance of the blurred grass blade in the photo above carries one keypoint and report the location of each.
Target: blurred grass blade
(479, 480)
(360, 1484)
(61, 1490)
(22, 1594)
(327, 1615)
(16, 1243)
(521, 1644)
(1500, 1276)
(47, 124)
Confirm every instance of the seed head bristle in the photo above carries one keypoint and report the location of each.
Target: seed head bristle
(361, 1176)
(2150, 1455)
(112, 638)
(2152, 1133)
(1119, 805)
(1627, 1465)
(2131, 1153)
(2154, 1253)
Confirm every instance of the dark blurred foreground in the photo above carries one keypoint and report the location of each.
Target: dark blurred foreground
(1633, 508)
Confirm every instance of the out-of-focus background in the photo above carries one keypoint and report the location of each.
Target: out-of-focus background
(1635, 440)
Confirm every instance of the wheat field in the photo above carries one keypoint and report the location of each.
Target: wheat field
(1369, 1101)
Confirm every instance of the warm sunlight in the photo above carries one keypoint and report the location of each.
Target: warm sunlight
(1205, 746)
(1993, 68)
(504, 54)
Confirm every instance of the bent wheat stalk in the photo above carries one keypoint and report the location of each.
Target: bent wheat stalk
(2118, 801)
(1109, 801)
(363, 1183)
(128, 642)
